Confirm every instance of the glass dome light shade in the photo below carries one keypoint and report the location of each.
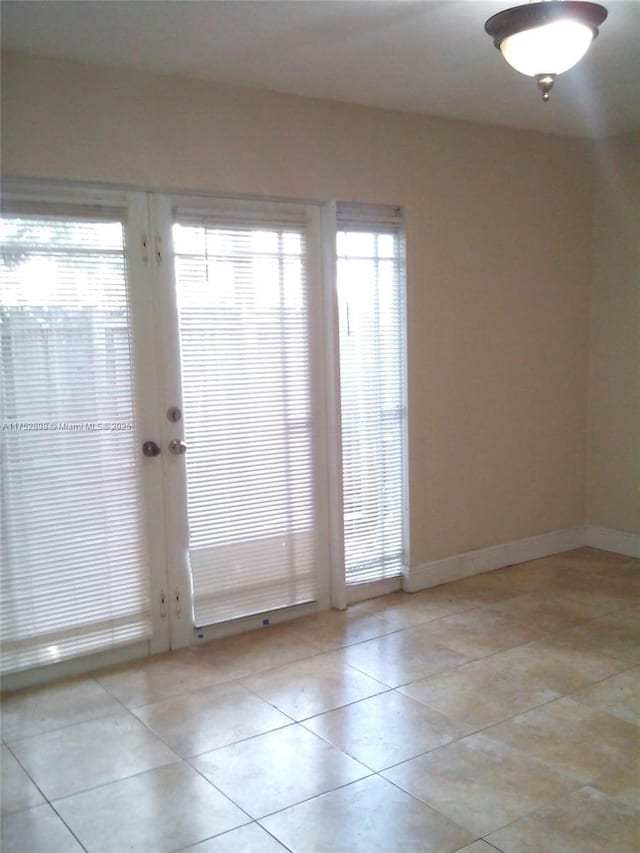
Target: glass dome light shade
(550, 49)
(546, 37)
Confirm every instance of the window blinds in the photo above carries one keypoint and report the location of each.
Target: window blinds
(74, 571)
(244, 341)
(370, 282)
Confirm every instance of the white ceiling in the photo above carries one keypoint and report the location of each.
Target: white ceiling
(430, 57)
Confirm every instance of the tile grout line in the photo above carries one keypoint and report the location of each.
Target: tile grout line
(560, 598)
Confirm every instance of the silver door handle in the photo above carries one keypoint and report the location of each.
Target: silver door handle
(177, 447)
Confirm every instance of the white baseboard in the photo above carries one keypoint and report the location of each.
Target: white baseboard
(613, 540)
(495, 557)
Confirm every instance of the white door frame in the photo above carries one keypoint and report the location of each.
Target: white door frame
(170, 394)
(144, 333)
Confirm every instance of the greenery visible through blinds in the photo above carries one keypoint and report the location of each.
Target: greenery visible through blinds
(370, 280)
(74, 570)
(243, 317)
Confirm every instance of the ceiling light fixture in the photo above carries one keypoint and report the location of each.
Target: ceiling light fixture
(543, 39)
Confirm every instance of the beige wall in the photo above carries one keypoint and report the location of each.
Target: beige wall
(499, 264)
(613, 494)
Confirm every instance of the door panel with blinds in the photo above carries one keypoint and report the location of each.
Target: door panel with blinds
(242, 290)
(370, 283)
(75, 575)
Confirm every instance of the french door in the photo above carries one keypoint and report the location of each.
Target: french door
(240, 289)
(82, 571)
(173, 463)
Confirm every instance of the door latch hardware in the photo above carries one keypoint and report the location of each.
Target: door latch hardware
(177, 447)
(174, 414)
(178, 602)
(150, 448)
(163, 604)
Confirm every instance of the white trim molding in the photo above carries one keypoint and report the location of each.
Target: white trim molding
(373, 589)
(494, 557)
(613, 540)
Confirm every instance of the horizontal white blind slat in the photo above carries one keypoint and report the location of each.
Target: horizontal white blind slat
(253, 216)
(371, 338)
(74, 568)
(243, 317)
(380, 218)
(63, 211)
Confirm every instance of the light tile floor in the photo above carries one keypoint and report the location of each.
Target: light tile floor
(499, 712)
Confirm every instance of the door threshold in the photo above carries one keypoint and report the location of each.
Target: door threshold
(253, 622)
